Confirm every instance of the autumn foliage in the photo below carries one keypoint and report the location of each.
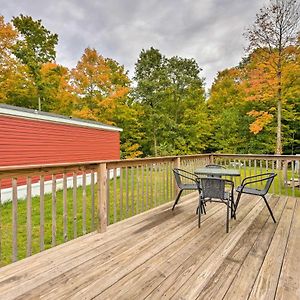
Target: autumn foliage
(163, 110)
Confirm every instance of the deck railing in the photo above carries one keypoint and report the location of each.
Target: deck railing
(45, 205)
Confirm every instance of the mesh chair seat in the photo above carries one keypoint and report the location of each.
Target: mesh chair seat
(188, 186)
(251, 191)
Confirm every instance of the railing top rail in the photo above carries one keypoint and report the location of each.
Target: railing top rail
(259, 156)
(134, 162)
(110, 163)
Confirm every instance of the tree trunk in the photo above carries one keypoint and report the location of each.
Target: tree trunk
(155, 144)
(278, 140)
(279, 109)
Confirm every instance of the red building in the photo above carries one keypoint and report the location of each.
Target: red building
(29, 137)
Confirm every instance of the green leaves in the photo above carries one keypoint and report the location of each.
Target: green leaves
(169, 89)
(36, 44)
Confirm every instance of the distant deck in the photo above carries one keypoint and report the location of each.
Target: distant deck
(162, 254)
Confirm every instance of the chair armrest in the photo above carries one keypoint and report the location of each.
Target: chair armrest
(187, 175)
(257, 176)
(243, 184)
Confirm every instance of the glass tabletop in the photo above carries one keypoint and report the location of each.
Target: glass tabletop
(216, 171)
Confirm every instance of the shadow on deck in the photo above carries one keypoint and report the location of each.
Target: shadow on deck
(163, 254)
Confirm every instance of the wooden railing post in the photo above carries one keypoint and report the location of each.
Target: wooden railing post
(176, 165)
(211, 159)
(102, 195)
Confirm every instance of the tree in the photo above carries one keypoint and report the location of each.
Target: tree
(16, 88)
(150, 91)
(35, 46)
(102, 88)
(171, 93)
(101, 85)
(57, 93)
(273, 31)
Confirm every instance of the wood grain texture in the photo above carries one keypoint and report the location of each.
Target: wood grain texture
(162, 254)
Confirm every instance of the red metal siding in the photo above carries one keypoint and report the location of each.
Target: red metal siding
(24, 141)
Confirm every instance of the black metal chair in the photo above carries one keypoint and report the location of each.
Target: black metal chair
(266, 178)
(213, 190)
(185, 181)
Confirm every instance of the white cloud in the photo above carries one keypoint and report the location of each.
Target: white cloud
(209, 30)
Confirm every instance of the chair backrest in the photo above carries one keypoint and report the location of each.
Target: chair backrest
(269, 179)
(213, 187)
(177, 177)
(184, 178)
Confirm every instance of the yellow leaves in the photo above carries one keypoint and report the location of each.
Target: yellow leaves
(132, 151)
(262, 119)
(7, 35)
(85, 113)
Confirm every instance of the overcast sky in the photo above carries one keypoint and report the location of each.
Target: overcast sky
(208, 30)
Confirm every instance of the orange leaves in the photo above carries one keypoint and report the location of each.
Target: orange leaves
(262, 119)
(101, 85)
(7, 36)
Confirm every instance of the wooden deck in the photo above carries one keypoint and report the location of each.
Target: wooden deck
(162, 254)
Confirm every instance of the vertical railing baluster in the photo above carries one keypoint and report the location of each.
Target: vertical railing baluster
(279, 179)
(239, 177)
(155, 184)
(165, 184)
(121, 193)
(75, 204)
(143, 183)
(147, 184)
(108, 196)
(28, 218)
(53, 227)
(84, 230)
(285, 177)
(102, 194)
(127, 192)
(132, 190)
(250, 166)
(293, 179)
(273, 171)
(255, 170)
(151, 185)
(65, 207)
(115, 194)
(167, 174)
(137, 189)
(42, 212)
(92, 199)
(14, 219)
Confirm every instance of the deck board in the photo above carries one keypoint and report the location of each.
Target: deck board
(162, 254)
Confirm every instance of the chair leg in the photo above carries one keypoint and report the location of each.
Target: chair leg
(199, 214)
(177, 199)
(233, 208)
(202, 208)
(227, 217)
(236, 205)
(269, 208)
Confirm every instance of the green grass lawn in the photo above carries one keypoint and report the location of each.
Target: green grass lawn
(140, 196)
(144, 191)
